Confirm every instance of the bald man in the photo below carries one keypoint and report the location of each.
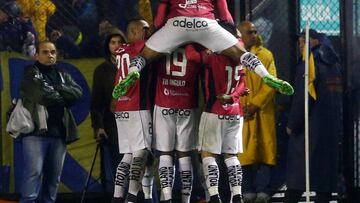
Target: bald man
(259, 136)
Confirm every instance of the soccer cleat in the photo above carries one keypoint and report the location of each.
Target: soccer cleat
(131, 198)
(124, 85)
(280, 85)
(117, 200)
(215, 199)
(237, 199)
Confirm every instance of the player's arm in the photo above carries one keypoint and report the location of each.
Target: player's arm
(240, 89)
(161, 14)
(222, 11)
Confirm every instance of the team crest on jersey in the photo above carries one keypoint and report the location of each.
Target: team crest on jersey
(191, 4)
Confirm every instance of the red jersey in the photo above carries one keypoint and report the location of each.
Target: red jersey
(192, 8)
(222, 76)
(137, 97)
(177, 79)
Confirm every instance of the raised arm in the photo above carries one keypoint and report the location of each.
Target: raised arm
(222, 11)
(161, 14)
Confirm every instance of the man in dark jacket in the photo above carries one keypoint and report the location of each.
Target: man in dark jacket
(103, 121)
(44, 149)
(325, 125)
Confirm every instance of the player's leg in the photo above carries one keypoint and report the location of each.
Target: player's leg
(136, 174)
(235, 176)
(212, 174)
(123, 169)
(252, 62)
(122, 179)
(231, 145)
(148, 178)
(186, 175)
(209, 144)
(166, 172)
(186, 142)
(224, 41)
(164, 139)
(138, 125)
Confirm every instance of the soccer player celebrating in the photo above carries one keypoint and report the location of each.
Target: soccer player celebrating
(175, 117)
(194, 21)
(133, 120)
(220, 129)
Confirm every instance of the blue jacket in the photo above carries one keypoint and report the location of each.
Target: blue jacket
(325, 123)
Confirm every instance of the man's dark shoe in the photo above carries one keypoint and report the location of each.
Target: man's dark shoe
(117, 200)
(215, 199)
(237, 199)
(131, 198)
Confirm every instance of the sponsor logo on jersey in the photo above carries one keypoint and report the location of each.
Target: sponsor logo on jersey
(229, 117)
(122, 115)
(166, 92)
(180, 112)
(188, 23)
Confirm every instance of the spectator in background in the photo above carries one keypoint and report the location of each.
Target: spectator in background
(67, 41)
(16, 32)
(325, 120)
(39, 11)
(44, 149)
(103, 120)
(92, 46)
(259, 135)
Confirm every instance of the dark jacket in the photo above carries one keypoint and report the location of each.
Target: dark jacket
(57, 97)
(325, 125)
(103, 85)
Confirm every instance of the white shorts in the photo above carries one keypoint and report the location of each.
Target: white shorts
(134, 130)
(220, 134)
(181, 30)
(175, 129)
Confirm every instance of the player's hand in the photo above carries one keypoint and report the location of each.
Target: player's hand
(246, 92)
(225, 99)
(288, 130)
(113, 105)
(100, 134)
(249, 111)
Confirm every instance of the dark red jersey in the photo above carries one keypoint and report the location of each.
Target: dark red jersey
(177, 78)
(137, 98)
(222, 76)
(192, 8)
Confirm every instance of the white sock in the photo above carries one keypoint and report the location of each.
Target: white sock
(235, 175)
(252, 62)
(122, 176)
(186, 175)
(166, 176)
(137, 171)
(211, 173)
(147, 182)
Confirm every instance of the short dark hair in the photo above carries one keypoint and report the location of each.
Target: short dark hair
(38, 44)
